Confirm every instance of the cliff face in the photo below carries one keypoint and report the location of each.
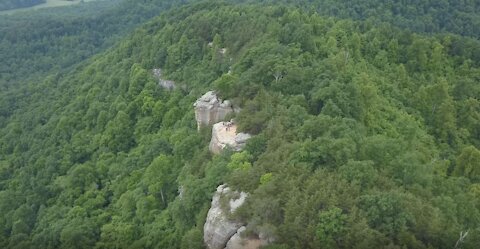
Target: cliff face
(209, 109)
(220, 232)
(218, 228)
(224, 134)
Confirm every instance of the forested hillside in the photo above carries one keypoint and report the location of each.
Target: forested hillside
(53, 41)
(364, 136)
(47, 41)
(432, 16)
(39, 42)
(14, 4)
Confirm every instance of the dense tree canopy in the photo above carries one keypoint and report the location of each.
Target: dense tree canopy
(365, 136)
(38, 42)
(460, 17)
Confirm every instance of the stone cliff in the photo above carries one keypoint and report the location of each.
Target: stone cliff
(210, 109)
(224, 134)
(218, 228)
(220, 232)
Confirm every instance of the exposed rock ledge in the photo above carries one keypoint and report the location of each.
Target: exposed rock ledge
(240, 241)
(218, 228)
(224, 134)
(210, 109)
(219, 232)
(167, 84)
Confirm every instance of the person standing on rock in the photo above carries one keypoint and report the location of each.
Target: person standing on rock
(229, 125)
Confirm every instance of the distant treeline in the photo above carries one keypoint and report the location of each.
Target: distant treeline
(15, 4)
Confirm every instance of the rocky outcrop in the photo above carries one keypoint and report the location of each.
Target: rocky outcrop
(210, 109)
(181, 192)
(218, 228)
(220, 232)
(167, 84)
(224, 134)
(241, 241)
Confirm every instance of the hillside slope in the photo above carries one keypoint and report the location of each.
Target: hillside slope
(365, 136)
(35, 43)
(54, 41)
(430, 16)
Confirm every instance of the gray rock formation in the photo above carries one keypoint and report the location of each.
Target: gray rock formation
(240, 241)
(167, 84)
(218, 228)
(224, 134)
(181, 192)
(209, 109)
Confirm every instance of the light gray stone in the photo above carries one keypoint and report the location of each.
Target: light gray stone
(242, 138)
(222, 233)
(210, 109)
(218, 228)
(236, 241)
(224, 134)
(166, 84)
(240, 241)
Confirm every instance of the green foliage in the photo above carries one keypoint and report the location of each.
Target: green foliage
(240, 161)
(37, 43)
(331, 227)
(192, 239)
(265, 178)
(118, 133)
(468, 163)
(364, 136)
(226, 85)
(447, 15)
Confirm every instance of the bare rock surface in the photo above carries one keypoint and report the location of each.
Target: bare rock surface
(167, 84)
(224, 134)
(239, 241)
(210, 109)
(218, 228)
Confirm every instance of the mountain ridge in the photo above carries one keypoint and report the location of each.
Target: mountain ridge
(363, 137)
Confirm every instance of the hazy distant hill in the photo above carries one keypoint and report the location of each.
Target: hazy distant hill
(14, 4)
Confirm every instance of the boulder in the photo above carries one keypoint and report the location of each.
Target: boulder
(218, 228)
(210, 109)
(224, 134)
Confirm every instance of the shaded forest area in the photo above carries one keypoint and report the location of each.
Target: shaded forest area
(369, 139)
